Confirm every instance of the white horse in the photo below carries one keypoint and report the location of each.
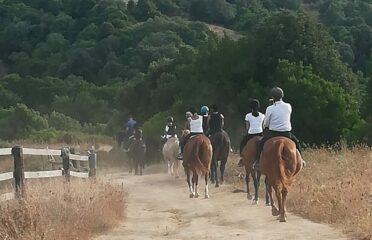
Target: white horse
(170, 153)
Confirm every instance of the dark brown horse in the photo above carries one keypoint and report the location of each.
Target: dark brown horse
(197, 157)
(221, 148)
(248, 154)
(137, 153)
(280, 162)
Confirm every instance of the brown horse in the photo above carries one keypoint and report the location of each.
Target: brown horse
(221, 148)
(197, 157)
(248, 154)
(280, 162)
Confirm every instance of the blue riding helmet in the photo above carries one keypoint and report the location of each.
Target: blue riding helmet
(204, 109)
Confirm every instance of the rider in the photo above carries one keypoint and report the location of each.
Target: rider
(204, 111)
(196, 127)
(215, 120)
(130, 126)
(278, 122)
(253, 121)
(170, 130)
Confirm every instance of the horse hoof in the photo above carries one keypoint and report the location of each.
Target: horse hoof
(255, 201)
(249, 196)
(282, 219)
(191, 195)
(275, 212)
(177, 176)
(196, 195)
(217, 185)
(206, 196)
(267, 204)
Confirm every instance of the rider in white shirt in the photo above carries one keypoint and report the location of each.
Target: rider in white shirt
(254, 122)
(277, 121)
(196, 127)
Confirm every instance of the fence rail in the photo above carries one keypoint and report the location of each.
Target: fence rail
(19, 174)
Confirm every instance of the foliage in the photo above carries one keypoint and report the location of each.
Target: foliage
(84, 66)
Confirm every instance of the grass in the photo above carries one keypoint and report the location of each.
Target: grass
(55, 209)
(334, 188)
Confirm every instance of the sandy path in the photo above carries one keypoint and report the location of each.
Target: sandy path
(159, 207)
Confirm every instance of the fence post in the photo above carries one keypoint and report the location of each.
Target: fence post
(65, 154)
(92, 163)
(19, 171)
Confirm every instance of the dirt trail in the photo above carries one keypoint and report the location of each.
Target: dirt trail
(159, 207)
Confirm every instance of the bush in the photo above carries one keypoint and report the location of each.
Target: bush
(20, 121)
(62, 122)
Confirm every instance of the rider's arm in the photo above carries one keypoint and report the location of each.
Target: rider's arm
(222, 121)
(247, 125)
(266, 122)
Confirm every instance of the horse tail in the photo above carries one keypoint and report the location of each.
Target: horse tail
(284, 174)
(200, 152)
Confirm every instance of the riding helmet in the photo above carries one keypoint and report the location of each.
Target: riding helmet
(204, 109)
(277, 93)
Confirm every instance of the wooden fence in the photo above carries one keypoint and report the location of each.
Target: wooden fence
(66, 170)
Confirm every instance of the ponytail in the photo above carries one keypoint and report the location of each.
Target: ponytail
(255, 105)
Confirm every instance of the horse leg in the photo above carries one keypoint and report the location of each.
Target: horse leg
(206, 191)
(274, 209)
(142, 164)
(279, 197)
(192, 194)
(195, 183)
(216, 172)
(212, 176)
(267, 196)
(169, 166)
(136, 163)
(176, 164)
(247, 173)
(283, 218)
(256, 182)
(222, 169)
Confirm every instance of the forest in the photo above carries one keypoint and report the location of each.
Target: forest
(84, 65)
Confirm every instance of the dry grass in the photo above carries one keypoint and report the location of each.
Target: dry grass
(56, 210)
(334, 188)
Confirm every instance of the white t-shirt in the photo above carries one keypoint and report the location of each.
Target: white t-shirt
(278, 117)
(255, 123)
(196, 126)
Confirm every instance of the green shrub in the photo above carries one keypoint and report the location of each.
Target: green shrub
(62, 122)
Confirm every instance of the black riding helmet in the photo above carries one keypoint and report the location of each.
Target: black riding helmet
(170, 119)
(277, 93)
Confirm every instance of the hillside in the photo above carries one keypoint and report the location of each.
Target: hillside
(84, 65)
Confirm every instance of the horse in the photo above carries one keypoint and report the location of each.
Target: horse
(248, 154)
(280, 162)
(197, 157)
(170, 152)
(221, 148)
(137, 153)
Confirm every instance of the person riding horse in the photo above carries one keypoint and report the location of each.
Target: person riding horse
(129, 129)
(195, 123)
(254, 125)
(204, 111)
(169, 130)
(278, 122)
(215, 121)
